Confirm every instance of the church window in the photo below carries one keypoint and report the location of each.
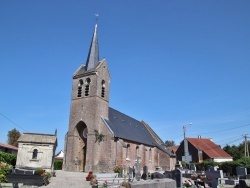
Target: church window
(87, 83)
(127, 152)
(150, 154)
(79, 93)
(34, 154)
(137, 151)
(103, 88)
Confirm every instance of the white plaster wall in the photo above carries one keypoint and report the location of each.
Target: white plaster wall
(222, 160)
(44, 156)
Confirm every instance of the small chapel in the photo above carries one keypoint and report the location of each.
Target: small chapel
(100, 137)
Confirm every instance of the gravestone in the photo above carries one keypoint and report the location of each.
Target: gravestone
(213, 176)
(137, 169)
(157, 175)
(193, 167)
(169, 174)
(145, 173)
(229, 172)
(208, 167)
(241, 172)
(178, 178)
(130, 174)
(178, 165)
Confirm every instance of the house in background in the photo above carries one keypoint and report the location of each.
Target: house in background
(172, 149)
(8, 148)
(201, 149)
(36, 151)
(59, 155)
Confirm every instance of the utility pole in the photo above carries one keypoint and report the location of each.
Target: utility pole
(186, 153)
(246, 146)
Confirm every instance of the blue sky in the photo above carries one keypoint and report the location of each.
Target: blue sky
(171, 63)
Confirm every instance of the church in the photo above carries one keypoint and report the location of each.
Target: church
(100, 137)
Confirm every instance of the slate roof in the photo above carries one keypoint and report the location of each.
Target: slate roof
(2, 145)
(128, 128)
(93, 56)
(208, 147)
(38, 138)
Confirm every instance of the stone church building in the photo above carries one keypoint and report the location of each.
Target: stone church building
(100, 137)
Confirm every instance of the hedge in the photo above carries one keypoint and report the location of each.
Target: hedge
(58, 164)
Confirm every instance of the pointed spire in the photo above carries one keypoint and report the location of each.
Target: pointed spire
(93, 56)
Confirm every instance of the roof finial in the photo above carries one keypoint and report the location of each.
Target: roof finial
(96, 17)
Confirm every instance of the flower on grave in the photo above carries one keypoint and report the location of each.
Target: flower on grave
(90, 176)
(93, 182)
(105, 183)
(194, 176)
(187, 183)
(118, 169)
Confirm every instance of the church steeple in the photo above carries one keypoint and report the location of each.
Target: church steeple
(93, 56)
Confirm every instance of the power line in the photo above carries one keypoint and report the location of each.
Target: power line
(13, 122)
(225, 129)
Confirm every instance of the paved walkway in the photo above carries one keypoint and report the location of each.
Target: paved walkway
(68, 179)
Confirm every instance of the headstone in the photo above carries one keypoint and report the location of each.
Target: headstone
(130, 174)
(157, 175)
(178, 178)
(213, 176)
(193, 167)
(145, 173)
(208, 167)
(241, 172)
(178, 165)
(229, 171)
(137, 169)
(169, 174)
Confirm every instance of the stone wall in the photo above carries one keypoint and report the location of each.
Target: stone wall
(44, 156)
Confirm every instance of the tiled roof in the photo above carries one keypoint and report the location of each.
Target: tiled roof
(128, 128)
(208, 147)
(8, 146)
(173, 148)
(38, 138)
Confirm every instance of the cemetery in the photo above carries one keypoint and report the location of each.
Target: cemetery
(136, 176)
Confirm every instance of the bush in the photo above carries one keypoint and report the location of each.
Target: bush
(58, 164)
(8, 158)
(4, 169)
(243, 162)
(39, 171)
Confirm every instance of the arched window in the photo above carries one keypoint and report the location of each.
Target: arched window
(127, 152)
(87, 83)
(150, 155)
(34, 154)
(79, 93)
(137, 151)
(103, 88)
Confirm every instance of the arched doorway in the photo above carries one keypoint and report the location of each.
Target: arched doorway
(82, 132)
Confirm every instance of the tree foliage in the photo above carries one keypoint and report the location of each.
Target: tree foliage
(13, 136)
(237, 152)
(169, 143)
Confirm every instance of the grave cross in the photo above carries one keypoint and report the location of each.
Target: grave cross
(213, 176)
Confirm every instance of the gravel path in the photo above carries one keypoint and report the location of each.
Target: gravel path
(68, 179)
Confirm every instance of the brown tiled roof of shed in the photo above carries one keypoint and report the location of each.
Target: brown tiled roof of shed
(8, 146)
(208, 147)
(173, 149)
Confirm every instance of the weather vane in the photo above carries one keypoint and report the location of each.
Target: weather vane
(96, 17)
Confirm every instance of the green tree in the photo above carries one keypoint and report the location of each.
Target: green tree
(13, 136)
(169, 143)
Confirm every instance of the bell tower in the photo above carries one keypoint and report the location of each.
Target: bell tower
(89, 105)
